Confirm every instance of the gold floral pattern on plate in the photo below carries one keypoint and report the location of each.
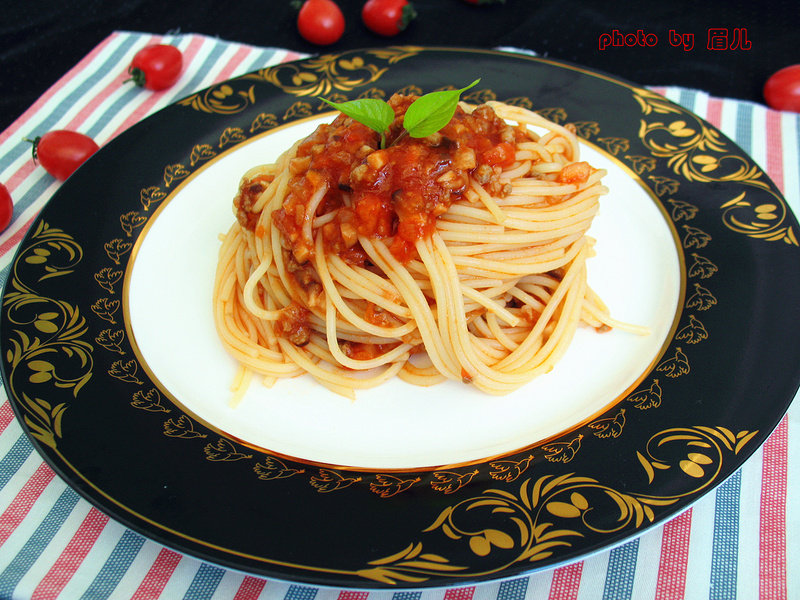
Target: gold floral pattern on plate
(544, 515)
(698, 153)
(47, 345)
(320, 76)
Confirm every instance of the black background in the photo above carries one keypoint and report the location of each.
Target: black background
(41, 39)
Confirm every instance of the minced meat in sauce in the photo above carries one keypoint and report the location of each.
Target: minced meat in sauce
(396, 192)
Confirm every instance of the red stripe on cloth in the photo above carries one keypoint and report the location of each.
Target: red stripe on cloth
(714, 112)
(6, 415)
(63, 570)
(21, 174)
(292, 56)
(674, 559)
(153, 97)
(237, 59)
(250, 589)
(157, 577)
(351, 595)
(566, 582)
(21, 505)
(459, 594)
(17, 237)
(775, 148)
(772, 536)
(44, 98)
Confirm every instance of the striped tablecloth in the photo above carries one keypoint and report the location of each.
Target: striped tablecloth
(739, 541)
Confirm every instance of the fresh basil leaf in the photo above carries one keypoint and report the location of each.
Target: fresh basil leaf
(429, 113)
(372, 112)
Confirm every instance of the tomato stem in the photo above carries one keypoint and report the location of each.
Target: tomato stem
(137, 76)
(35, 143)
(408, 14)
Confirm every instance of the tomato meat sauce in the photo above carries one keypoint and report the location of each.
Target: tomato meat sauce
(395, 193)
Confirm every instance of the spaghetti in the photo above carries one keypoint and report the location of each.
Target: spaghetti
(458, 256)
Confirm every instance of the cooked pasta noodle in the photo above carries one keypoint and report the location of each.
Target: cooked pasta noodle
(459, 256)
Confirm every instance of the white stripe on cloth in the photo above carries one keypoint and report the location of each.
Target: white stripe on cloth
(698, 573)
(593, 576)
(790, 132)
(750, 501)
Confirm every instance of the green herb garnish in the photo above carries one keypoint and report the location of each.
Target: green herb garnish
(372, 112)
(425, 116)
(429, 113)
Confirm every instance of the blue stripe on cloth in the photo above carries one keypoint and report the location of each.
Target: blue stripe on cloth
(114, 109)
(686, 99)
(406, 595)
(620, 572)
(725, 540)
(261, 60)
(12, 461)
(116, 565)
(74, 97)
(208, 64)
(37, 542)
(33, 194)
(205, 582)
(513, 589)
(300, 592)
(744, 127)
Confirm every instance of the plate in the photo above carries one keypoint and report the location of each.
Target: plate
(112, 364)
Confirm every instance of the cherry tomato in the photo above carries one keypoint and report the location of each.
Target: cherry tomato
(156, 67)
(782, 90)
(60, 152)
(320, 22)
(6, 207)
(387, 17)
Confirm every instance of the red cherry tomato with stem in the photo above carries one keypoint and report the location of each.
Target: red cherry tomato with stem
(6, 207)
(320, 22)
(782, 90)
(61, 151)
(387, 17)
(156, 67)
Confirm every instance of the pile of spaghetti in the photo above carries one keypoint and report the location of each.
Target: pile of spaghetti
(460, 256)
